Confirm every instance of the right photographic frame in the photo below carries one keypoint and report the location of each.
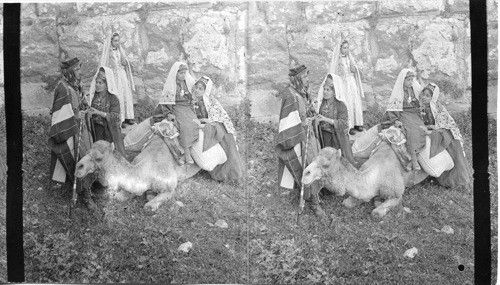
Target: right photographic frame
(362, 145)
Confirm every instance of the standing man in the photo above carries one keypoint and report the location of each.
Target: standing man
(296, 117)
(66, 131)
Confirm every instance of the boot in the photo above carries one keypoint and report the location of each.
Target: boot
(88, 202)
(318, 211)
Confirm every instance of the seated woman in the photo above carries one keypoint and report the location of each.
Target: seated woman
(217, 128)
(444, 134)
(177, 104)
(403, 111)
(104, 112)
(333, 120)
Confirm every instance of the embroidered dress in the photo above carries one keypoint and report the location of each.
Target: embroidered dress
(344, 67)
(336, 134)
(219, 129)
(123, 85)
(181, 106)
(404, 106)
(446, 135)
(115, 59)
(108, 128)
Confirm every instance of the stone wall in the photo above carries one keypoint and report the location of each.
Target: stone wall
(384, 36)
(210, 36)
(247, 47)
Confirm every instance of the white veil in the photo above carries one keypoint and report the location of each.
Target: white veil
(397, 95)
(170, 86)
(110, 81)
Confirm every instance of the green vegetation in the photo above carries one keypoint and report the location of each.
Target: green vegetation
(263, 243)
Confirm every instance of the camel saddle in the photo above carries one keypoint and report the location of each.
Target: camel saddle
(170, 133)
(395, 137)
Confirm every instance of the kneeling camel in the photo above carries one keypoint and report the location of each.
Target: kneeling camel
(381, 175)
(153, 169)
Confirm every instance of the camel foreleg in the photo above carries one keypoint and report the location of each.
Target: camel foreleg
(123, 196)
(387, 205)
(351, 202)
(156, 202)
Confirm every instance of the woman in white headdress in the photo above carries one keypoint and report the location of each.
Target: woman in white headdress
(217, 128)
(114, 57)
(333, 126)
(104, 112)
(403, 111)
(343, 65)
(176, 103)
(444, 134)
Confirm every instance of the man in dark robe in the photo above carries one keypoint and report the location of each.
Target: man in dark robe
(66, 132)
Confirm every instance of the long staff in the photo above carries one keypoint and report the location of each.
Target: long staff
(73, 194)
(304, 161)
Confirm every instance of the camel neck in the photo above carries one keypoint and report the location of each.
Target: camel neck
(117, 164)
(348, 178)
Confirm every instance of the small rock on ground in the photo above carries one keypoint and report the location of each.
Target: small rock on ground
(221, 224)
(411, 252)
(447, 230)
(185, 247)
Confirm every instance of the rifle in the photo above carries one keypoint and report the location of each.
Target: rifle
(72, 202)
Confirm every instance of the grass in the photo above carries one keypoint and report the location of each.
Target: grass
(353, 248)
(129, 246)
(263, 243)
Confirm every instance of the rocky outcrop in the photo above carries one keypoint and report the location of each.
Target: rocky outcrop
(384, 36)
(209, 36)
(247, 47)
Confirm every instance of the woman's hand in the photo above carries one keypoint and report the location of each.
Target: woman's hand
(398, 124)
(94, 111)
(308, 121)
(322, 118)
(198, 122)
(81, 114)
(424, 128)
(170, 117)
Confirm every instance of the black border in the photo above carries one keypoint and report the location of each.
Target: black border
(14, 130)
(14, 215)
(482, 219)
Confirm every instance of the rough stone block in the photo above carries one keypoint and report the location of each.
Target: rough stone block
(264, 103)
(34, 96)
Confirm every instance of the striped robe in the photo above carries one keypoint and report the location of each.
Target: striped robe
(291, 134)
(63, 133)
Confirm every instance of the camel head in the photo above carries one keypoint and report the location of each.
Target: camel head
(95, 158)
(322, 166)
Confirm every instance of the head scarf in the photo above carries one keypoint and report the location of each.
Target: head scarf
(105, 57)
(170, 87)
(442, 117)
(334, 66)
(295, 75)
(216, 112)
(397, 95)
(110, 82)
(337, 85)
(68, 72)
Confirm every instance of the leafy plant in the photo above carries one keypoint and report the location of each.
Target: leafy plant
(144, 109)
(451, 88)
